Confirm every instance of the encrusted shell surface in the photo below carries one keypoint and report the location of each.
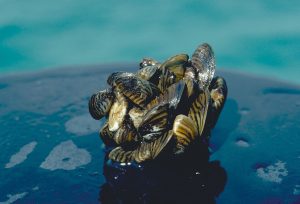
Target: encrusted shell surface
(147, 61)
(203, 60)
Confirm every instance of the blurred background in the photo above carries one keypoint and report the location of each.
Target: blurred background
(258, 36)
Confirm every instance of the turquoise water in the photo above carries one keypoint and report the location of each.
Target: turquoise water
(260, 36)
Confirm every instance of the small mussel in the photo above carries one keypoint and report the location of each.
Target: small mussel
(100, 103)
(161, 110)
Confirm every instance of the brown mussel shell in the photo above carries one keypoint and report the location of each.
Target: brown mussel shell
(139, 91)
(126, 134)
(100, 103)
(218, 93)
(145, 151)
(155, 122)
(185, 131)
(199, 108)
(117, 112)
(107, 136)
(149, 73)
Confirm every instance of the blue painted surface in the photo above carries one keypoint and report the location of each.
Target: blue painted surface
(256, 138)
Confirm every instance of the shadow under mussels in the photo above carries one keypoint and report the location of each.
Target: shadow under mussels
(181, 179)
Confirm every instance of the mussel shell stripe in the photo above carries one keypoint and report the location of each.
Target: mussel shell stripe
(172, 95)
(117, 75)
(156, 120)
(167, 78)
(198, 110)
(120, 155)
(181, 59)
(139, 91)
(218, 92)
(147, 73)
(126, 133)
(184, 129)
(107, 136)
(203, 60)
(100, 103)
(146, 151)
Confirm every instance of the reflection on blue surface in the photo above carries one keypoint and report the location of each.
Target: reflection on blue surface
(256, 36)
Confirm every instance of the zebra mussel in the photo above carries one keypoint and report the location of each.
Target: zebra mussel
(163, 106)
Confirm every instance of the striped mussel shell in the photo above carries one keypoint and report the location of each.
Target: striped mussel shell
(149, 73)
(185, 131)
(176, 65)
(117, 112)
(111, 80)
(218, 94)
(198, 110)
(145, 151)
(126, 134)
(107, 136)
(100, 103)
(203, 60)
(137, 114)
(175, 95)
(155, 122)
(137, 90)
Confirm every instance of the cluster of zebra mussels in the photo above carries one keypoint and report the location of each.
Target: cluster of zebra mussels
(163, 108)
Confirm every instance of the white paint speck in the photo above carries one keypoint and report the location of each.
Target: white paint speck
(242, 143)
(273, 173)
(21, 155)
(82, 125)
(13, 198)
(66, 156)
(296, 190)
(36, 188)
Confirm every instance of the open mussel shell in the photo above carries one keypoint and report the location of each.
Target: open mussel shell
(203, 60)
(185, 131)
(100, 103)
(139, 91)
(218, 93)
(199, 108)
(117, 112)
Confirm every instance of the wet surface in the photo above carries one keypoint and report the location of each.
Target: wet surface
(256, 140)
